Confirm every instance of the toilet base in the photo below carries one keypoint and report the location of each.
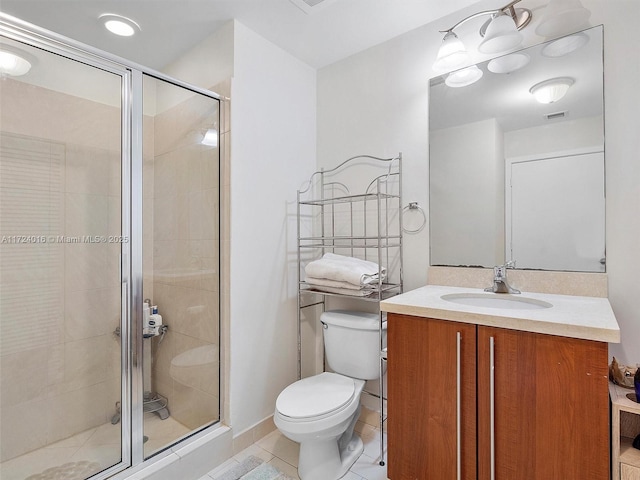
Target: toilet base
(327, 462)
(351, 455)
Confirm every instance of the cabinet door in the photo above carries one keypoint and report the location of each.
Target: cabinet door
(551, 407)
(423, 399)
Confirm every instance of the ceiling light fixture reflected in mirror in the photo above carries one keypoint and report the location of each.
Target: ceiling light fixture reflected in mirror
(565, 45)
(552, 90)
(508, 63)
(119, 25)
(464, 77)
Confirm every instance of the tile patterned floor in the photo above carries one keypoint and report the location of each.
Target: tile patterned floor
(282, 453)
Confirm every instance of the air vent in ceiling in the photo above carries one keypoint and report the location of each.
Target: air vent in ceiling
(553, 116)
(311, 6)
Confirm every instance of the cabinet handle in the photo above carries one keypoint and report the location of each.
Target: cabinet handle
(458, 408)
(492, 393)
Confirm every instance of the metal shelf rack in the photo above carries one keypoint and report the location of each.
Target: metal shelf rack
(365, 225)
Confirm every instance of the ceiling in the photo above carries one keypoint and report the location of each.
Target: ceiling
(169, 28)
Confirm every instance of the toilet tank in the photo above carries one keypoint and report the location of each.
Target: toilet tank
(352, 342)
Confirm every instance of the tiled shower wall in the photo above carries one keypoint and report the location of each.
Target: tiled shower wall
(59, 302)
(185, 262)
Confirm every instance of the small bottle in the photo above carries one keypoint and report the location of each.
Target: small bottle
(146, 315)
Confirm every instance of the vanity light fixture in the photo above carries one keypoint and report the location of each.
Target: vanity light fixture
(13, 64)
(119, 25)
(464, 77)
(562, 16)
(452, 54)
(500, 33)
(552, 90)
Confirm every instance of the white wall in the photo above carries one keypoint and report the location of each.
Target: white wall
(622, 149)
(273, 117)
(467, 196)
(273, 122)
(377, 101)
(209, 62)
(555, 138)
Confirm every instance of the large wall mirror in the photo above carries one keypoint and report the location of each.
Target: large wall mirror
(514, 176)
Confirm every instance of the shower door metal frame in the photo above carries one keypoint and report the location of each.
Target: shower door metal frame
(132, 412)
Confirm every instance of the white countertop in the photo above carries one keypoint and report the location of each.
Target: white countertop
(589, 318)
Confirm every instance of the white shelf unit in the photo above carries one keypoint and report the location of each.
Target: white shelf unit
(365, 225)
(625, 426)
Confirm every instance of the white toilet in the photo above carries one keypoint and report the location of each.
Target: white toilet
(320, 412)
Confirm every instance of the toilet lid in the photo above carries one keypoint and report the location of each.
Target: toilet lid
(315, 396)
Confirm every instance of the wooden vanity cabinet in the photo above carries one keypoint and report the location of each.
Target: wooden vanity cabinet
(422, 399)
(550, 403)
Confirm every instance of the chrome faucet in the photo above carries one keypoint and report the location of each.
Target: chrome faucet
(500, 284)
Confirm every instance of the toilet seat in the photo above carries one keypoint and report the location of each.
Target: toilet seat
(316, 397)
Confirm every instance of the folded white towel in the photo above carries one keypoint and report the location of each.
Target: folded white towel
(345, 269)
(363, 292)
(325, 282)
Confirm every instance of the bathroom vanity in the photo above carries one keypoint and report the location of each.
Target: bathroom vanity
(495, 386)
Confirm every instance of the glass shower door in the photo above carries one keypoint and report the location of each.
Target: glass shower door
(180, 268)
(60, 281)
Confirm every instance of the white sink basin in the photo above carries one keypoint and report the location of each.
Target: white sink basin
(496, 300)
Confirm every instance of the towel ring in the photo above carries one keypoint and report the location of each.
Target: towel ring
(415, 206)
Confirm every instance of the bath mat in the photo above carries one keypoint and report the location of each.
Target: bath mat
(243, 468)
(68, 471)
(254, 468)
(263, 472)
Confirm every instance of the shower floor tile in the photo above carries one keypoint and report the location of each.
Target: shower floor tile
(100, 445)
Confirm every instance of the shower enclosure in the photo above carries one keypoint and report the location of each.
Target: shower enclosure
(109, 195)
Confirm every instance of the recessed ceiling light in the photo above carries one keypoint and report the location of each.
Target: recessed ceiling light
(12, 63)
(119, 25)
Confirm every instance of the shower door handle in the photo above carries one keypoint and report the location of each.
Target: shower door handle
(125, 319)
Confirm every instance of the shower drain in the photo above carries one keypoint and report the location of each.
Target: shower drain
(68, 471)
